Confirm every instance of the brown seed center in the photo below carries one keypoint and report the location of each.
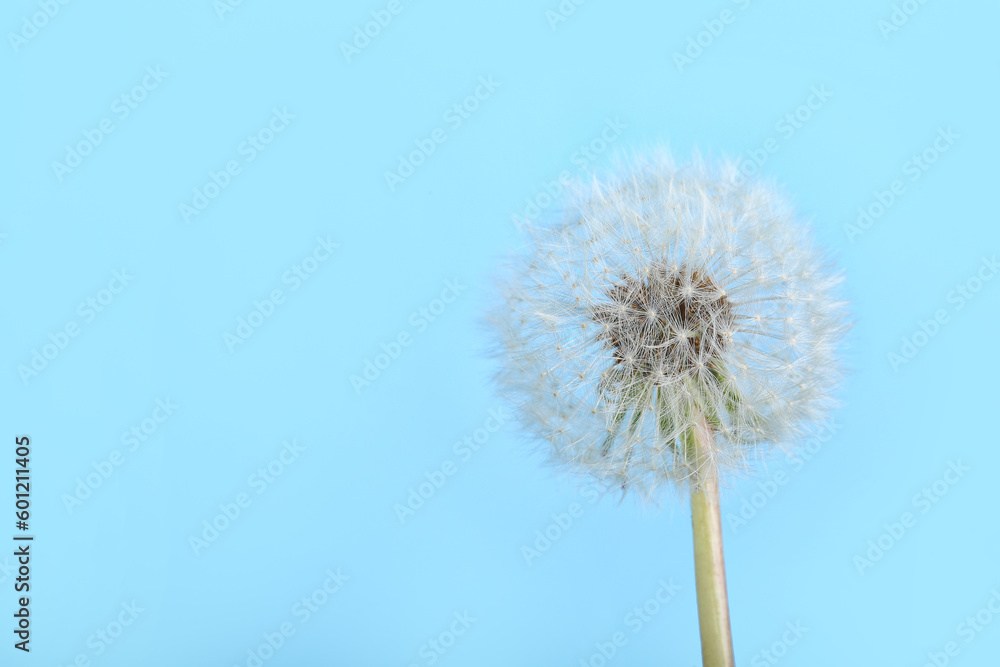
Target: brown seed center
(666, 323)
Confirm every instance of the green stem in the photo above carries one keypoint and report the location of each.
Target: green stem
(709, 564)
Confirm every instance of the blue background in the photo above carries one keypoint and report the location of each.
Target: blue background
(561, 82)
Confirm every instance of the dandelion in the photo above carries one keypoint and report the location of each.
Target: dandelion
(671, 326)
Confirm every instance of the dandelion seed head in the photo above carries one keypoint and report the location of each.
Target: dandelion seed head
(711, 305)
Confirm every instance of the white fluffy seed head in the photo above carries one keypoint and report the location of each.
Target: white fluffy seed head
(663, 298)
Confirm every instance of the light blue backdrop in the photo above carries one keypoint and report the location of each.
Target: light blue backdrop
(227, 162)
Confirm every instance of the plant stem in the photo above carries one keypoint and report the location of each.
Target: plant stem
(709, 564)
